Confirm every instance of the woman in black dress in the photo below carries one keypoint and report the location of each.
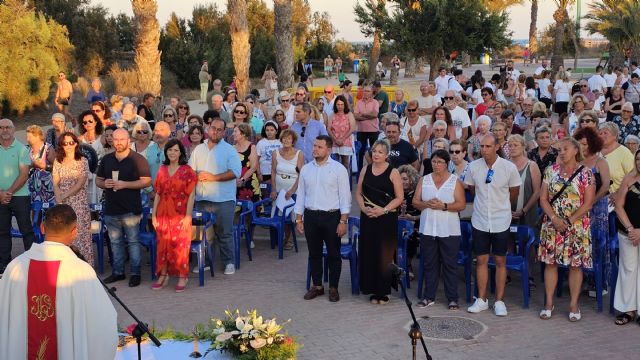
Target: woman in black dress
(379, 195)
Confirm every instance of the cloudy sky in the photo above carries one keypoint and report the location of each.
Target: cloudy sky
(342, 16)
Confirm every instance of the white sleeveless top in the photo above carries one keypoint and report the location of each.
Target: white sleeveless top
(437, 222)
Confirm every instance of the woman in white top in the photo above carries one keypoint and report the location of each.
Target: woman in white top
(440, 196)
(415, 126)
(562, 92)
(141, 135)
(577, 107)
(265, 148)
(286, 163)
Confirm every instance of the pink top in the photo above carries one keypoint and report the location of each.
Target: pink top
(364, 106)
(340, 127)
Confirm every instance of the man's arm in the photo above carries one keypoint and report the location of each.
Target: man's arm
(141, 183)
(23, 175)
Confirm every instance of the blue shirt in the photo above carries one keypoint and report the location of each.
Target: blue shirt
(220, 159)
(155, 157)
(312, 130)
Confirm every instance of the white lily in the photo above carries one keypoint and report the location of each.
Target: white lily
(258, 343)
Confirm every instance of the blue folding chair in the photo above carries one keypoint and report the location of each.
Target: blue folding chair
(37, 209)
(276, 225)
(200, 245)
(464, 259)
(348, 251)
(614, 257)
(405, 229)
(240, 229)
(519, 261)
(98, 237)
(148, 239)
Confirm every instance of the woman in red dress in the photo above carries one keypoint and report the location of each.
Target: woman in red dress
(171, 216)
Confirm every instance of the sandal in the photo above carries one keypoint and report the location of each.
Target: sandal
(624, 319)
(453, 305)
(162, 281)
(545, 314)
(573, 317)
(425, 303)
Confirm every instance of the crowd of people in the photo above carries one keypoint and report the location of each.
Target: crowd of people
(502, 152)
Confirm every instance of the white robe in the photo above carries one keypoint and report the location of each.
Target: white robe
(86, 320)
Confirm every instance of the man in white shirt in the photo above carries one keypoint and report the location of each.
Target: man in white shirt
(495, 182)
(597, 83)
(456, 84)
(634, 67)
(543, 66)
(459, 116)
(322, 210)
(427, 103)
(610, 77)
(442, 82)
(512, 72)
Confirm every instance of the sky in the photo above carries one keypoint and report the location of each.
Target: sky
(343, 18)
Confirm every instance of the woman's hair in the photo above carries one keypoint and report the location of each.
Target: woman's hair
(344, 101)
(539, 114)
(103, 106)
(594, 142)
(631, 137)
(575, 97)
(488, 90)
(440, 123)
(462, 143)
(96, 119)
(390, 117)
(441, 154)
(575, 144)
(542, 129)
(184, 103)
(141, 125)
(506, 114)
(36, 130)
(192, 129)
(635, 156)
(563, 75)
(116, 99)
(530, 82)
(246, 110)
(229, 92)
(384, 143)
(60, 154)
(200, 121)
(485, 119)
(171, 110)
(182, 160)
(612, 127)
(292, 134)
(520, 140)
(412, 174)
(274, 125)
(541, 107)
(209, 115)
(447, 114)
(443, 141)
(245, 130)
(273, 117)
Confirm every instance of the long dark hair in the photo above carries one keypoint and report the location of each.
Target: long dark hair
(60, 154)
(182, 160)
(344, 101)
(99, 125)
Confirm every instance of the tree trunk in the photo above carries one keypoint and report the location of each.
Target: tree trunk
(240, 47)
(284, 43)
(147, 55)
(434, 65)
(616, 57)
(576, 44)
(410, 67)
(533, 29)
(557, 59)
(375, 55)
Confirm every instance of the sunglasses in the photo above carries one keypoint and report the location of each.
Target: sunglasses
(97, 110)
(284, 100)
(279, 114)
(328, 92)
(449, 98)
(412, 110)
(183, 107)
(167, 115)
(141, 132)
(455, 151)
(68, 143)
(88, 122)
(489, 178)
(304, 128)
(239, 112)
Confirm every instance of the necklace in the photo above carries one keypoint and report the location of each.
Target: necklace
(564, 170)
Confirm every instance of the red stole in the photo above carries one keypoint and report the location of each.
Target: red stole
(42, 338)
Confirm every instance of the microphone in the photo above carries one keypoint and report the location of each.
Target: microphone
(396, 270)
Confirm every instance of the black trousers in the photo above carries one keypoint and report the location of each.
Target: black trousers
(440, 257)
(362, 138)
(20, 207)
(320, 227)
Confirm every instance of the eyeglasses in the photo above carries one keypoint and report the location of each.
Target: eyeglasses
(97, 110)
(167, 115)
(142, 132)
(449, 98)
(455, 151)
(215, 129)
(304, 128)
(412, 110)
(279, 114)
(85, 122)
(587, 120)
(438, 162)
(328, 92)
(284, 100)
(68, 143)
(489, 178)
(239, 112)
(183, 107)
(5, 127)
(299, 94)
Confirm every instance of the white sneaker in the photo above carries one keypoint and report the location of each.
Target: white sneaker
(499, 308)
(197, 271)
(230, 269)
(478, 305)
(592, 293)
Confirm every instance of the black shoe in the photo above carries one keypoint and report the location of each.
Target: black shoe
(134, 280)
(333, 295)
(113, 278)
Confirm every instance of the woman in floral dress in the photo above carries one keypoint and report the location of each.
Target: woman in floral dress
(40, 181)
(248, 184)
(70, 172)
(341, 125)
(565, 238)
(171, 215)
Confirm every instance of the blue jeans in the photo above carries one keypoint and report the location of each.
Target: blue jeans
(118, 227)
(20, 207)
(225, 212)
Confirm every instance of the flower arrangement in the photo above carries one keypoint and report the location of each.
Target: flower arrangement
(250, 337)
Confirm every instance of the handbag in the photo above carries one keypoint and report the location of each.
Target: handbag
(557, 195)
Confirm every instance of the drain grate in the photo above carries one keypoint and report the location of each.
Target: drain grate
(450, 328)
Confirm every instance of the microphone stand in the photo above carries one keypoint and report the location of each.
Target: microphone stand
(415, 333)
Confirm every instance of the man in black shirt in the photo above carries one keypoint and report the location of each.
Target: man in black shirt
(123, 174)
(402, 153)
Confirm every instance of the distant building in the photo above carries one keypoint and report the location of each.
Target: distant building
(591, 43)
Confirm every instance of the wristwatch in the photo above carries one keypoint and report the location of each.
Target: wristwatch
(446, 207)
(386, 211)
(344, 222)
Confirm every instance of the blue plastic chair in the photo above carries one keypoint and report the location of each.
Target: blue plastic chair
(464, 259)
(240, 229)
(405, 229)
(37, 209)
(614, 257)
(99, 237)
(200, 245)
(526, 239)
(276, 225)
(348, 251)
(148, 239)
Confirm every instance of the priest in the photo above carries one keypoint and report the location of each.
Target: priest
(52, 305)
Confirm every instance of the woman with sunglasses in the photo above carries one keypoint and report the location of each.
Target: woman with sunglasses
(247, 184)
(588, 118)
(70, 173)
(488, 100)
(279, 117)
(239, 115)
(91, 128)
(141, 135)
(103, 112)
(182, 121)
(169, 115)
(565, 237)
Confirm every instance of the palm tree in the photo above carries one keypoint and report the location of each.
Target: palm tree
(617, 20)
(284, 42)
(533, 29)
(147, 57)
(240, 47)
(561, 17)
(375, 48)
(498, 6)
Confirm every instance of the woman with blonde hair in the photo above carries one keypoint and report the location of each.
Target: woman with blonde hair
(526, 212)
(42, 155)
(141, 135)
(117, 102)
(577, 107)
(562, 92)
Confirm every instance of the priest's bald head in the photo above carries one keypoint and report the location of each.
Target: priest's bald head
(60, 224)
